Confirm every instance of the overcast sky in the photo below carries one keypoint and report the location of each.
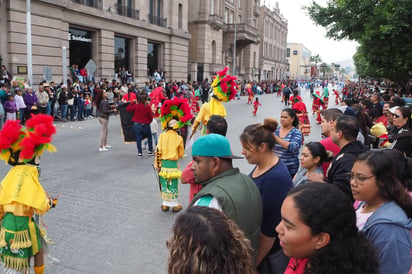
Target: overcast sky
(302, 30)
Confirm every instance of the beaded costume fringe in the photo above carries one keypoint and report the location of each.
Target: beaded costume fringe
(21, 240)
(14, 263)
(170, 173)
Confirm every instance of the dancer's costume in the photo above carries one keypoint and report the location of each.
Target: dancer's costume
(256, 105)
(21, 194)
(317, 105)
(292, 97)
(302, 113)
(174, 114)
(202, 118)
(156, 98)
(337, 98)
(223, 90)
(250, 95)
(325, 97)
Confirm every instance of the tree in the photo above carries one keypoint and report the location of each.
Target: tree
(315, 59)
(382, 28)
(324, 68)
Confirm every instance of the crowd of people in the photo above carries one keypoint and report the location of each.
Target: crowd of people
(340, 205)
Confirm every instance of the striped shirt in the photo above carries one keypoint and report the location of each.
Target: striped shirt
(290, 156)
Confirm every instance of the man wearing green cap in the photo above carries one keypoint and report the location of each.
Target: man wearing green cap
(224, 187)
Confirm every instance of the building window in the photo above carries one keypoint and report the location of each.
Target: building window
(153, 51)
(231, 14)
(288, 52)
(212, 7)
(156, 13)
(295, 52)
(213, 52)
(226, 15)
(128, 9)
(121, 53)
(80, 45)
(179, 23)
(90, 3)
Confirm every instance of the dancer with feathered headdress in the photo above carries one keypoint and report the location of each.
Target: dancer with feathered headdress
(174, 114)
(223, 90)
(21, 194)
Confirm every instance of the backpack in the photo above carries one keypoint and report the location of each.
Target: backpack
(286, 91)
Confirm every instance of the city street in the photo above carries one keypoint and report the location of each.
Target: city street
(108, 219)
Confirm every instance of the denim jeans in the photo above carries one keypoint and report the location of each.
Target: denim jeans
(80, 112)
(72, 109)
(140, 130)
(64, 111)
(48, 108)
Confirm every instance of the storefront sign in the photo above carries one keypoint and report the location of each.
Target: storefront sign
(79, 38)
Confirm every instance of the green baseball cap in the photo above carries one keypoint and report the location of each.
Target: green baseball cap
(213, 145)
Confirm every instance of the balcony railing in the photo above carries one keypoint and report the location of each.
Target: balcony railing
(128, 11)
(256, 11)
(90, 3)
(156, 20)
(216, 21)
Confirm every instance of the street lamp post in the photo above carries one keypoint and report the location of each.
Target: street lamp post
(29, 50)
(234, 51)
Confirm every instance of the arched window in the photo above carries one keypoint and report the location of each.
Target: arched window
(213, 52)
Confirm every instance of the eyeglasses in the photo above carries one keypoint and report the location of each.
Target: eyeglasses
(396, 115)
(360, 180)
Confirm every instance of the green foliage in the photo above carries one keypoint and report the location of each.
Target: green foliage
(381, 27)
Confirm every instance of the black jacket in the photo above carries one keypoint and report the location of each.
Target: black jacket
(342, 164)
(402, 141)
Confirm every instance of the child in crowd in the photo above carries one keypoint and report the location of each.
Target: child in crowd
(256, 104)
(153, 129)
(87, 106)
(10, 107)
(80, 107)
(21, 106)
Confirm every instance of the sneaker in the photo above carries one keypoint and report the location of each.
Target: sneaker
(140, 155)
(107, 146)
(150, 153)
(103, 149)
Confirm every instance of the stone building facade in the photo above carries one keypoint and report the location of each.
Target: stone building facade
(273, 29)
(214, 24)
(140, 35)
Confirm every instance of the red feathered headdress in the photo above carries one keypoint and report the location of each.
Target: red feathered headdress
(177, 109)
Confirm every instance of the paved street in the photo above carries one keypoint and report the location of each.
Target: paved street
(108, 219)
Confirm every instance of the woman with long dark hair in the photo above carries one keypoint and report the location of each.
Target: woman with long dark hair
(318, 231)
(386, 211)
(312, 157)
(288, 140)
(104, 110)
